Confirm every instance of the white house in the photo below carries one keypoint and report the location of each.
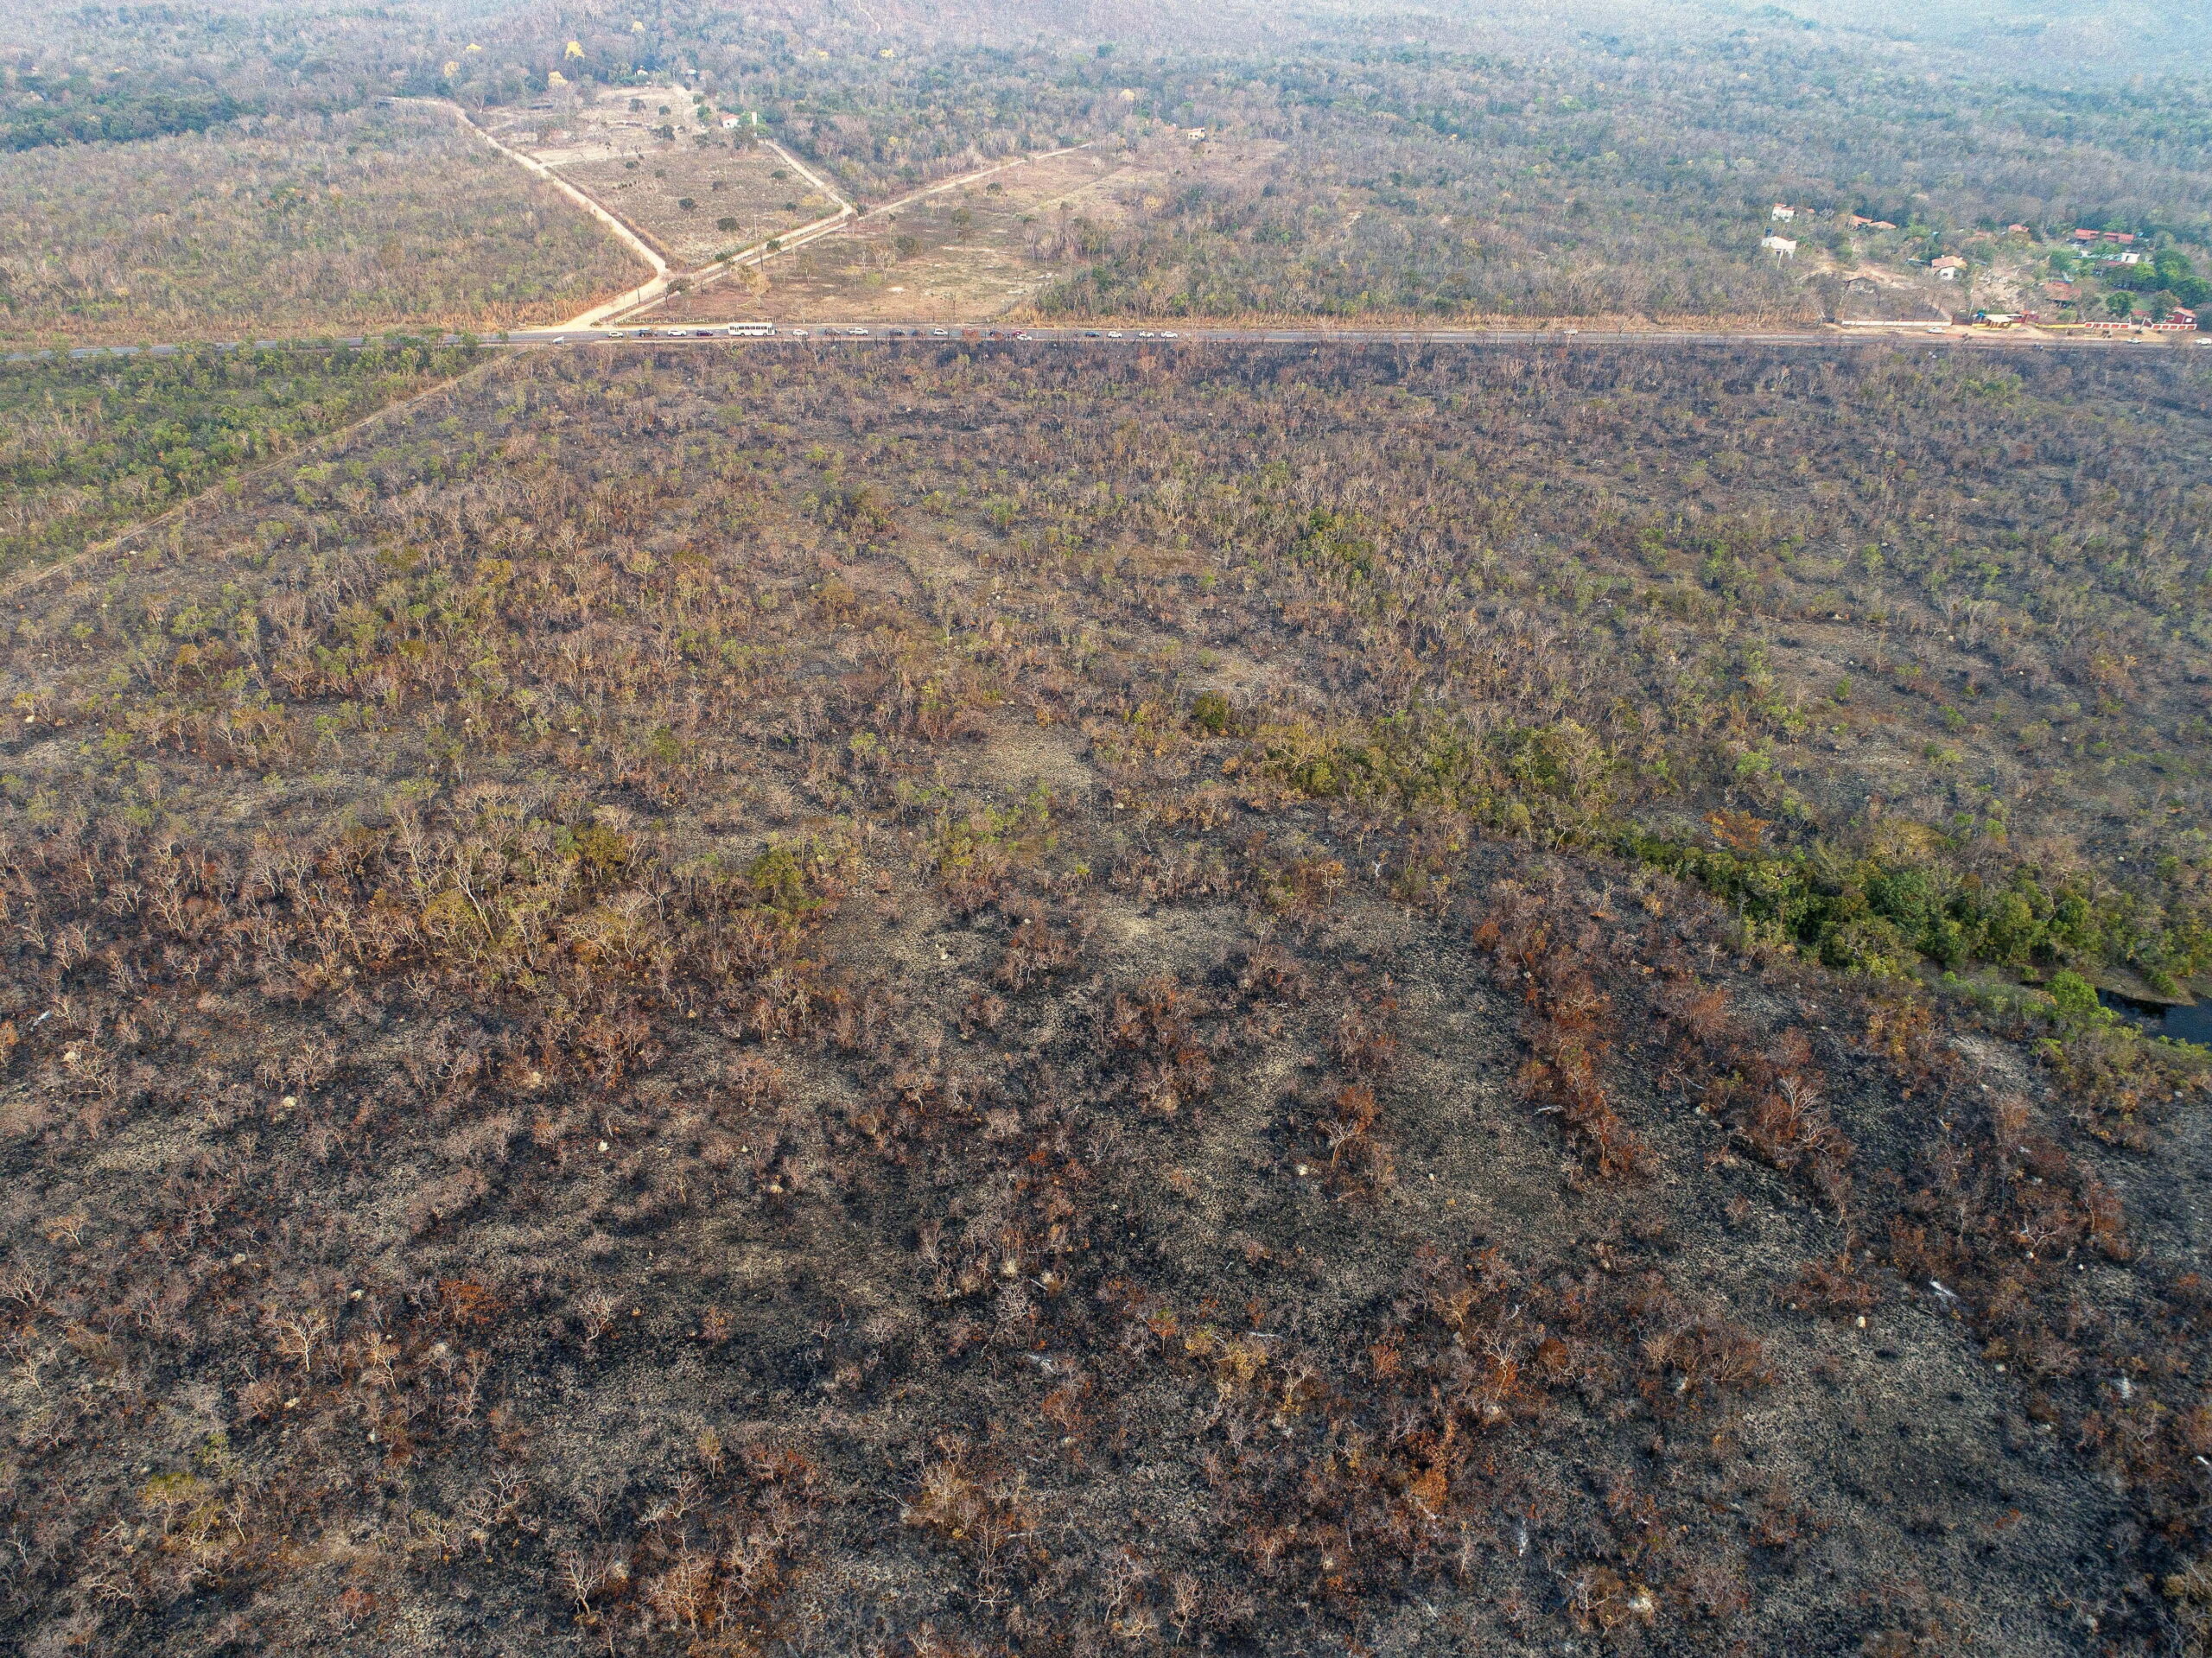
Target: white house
(1781, 212)
(1781, 246)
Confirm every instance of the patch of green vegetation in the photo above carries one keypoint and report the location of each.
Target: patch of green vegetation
(89, 445)
(73, 111)
(1880, 914)
(1877, 911)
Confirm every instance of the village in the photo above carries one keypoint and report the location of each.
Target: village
(2086, 280)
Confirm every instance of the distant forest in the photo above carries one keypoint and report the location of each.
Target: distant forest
(1498, 173)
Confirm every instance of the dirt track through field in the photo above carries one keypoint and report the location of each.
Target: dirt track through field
(652, 293)
(846, 215)
(645, 293)
(761, 252)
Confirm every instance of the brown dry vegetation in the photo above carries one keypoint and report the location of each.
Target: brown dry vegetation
(381, 217)
(737, 1000)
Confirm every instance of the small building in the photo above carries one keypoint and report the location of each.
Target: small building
(2017, 230)
(1781, 212)
(728, 120)
(1195, 135)
(1946, 269)
(2065, 292)
(2180, 320)
(1781, 246)
(2123, 238)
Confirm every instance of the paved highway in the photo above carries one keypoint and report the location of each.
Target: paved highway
(853, 332)
(842, 333)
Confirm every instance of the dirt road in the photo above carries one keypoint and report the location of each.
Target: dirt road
(630, 299)
(761, 253)
(653, 291)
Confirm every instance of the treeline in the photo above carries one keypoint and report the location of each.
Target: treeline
(141, 72)
(2168, 272)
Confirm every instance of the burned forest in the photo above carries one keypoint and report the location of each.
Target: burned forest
(947, 998)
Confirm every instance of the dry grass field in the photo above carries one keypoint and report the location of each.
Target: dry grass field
(388, 217)
(695, 204)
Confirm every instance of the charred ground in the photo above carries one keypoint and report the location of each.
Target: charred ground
(914, 1003)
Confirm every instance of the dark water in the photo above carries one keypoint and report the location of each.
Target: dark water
(2189, 1023)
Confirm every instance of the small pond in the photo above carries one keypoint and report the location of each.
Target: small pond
(2192, 1023)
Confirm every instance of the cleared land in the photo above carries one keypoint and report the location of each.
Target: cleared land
(694, 196)
(388, 217)
(971, 250)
